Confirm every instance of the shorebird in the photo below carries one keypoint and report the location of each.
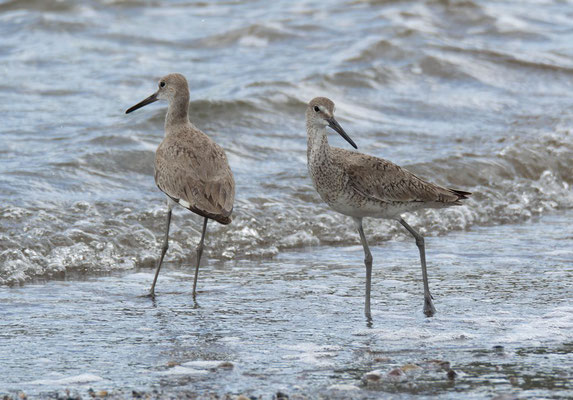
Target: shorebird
(359, 185)
(190, 168)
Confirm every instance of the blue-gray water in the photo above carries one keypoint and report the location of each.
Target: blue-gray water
(473, 95)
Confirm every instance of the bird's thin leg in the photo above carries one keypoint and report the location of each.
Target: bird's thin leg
(199, 252)
(163, 249)
(368, 264)
(429, 309)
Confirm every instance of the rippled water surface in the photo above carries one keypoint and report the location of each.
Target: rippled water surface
(473, 95)
(294, 324)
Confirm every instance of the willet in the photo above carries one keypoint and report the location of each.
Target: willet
(359, 185)
(190, 168)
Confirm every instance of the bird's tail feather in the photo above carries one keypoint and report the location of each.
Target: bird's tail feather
(461, 196)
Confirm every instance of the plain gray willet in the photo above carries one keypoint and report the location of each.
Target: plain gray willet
(359, 185)
(190, 168)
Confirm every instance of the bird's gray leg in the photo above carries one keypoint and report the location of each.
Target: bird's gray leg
(199, 252)
(368, 264)
(163, 249)
(429, 309)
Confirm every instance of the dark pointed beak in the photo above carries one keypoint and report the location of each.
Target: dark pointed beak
(336, 126)
(142, 103)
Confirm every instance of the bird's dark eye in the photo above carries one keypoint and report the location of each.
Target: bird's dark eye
(161, 84)
(316, 109)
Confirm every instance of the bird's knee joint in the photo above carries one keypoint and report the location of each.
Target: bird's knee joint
(368, 258)
(420, 241)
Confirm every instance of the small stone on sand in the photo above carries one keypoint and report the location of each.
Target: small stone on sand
(372, 376)
(451, 374)
(226, 365)
(396, 372)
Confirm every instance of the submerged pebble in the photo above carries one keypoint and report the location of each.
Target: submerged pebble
(372, 376)
(438, 364)
(451, 374)
(226, 365)
(396, 372)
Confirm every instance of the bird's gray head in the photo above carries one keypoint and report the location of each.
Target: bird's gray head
(170, 87)
(320, 114)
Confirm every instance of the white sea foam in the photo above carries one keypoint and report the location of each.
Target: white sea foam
(311, 353)
(179, 370)
(553, 326)
(343, 386)
(77, 379)
(253, 41)
(202, 364)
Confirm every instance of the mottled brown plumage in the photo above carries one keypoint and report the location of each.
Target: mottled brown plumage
(381, 180)
(360, 185)
(190, 168)
(193, 171)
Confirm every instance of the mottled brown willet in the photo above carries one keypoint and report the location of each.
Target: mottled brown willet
(359, 185)
(190, 168)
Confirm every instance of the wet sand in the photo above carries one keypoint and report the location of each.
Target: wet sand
(294, 324)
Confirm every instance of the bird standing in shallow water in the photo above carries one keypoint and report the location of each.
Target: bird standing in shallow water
(190, 168)
(359, 185)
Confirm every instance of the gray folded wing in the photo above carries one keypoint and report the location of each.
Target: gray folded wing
(387, 182)
(196, 176)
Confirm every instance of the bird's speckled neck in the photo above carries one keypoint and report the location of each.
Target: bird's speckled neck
(177, 112)
(317, 149)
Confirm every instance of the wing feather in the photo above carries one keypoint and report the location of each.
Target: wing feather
(385, 181)
(197, 175)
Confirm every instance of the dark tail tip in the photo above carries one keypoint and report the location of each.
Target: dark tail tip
(461, 194)
(224, 220)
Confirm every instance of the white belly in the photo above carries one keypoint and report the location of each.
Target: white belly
(373, 209)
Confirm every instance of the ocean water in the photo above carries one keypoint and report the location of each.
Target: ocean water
(472, 95)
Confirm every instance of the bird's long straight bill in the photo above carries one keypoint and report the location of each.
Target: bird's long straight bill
(336, 126)
(142, 103)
